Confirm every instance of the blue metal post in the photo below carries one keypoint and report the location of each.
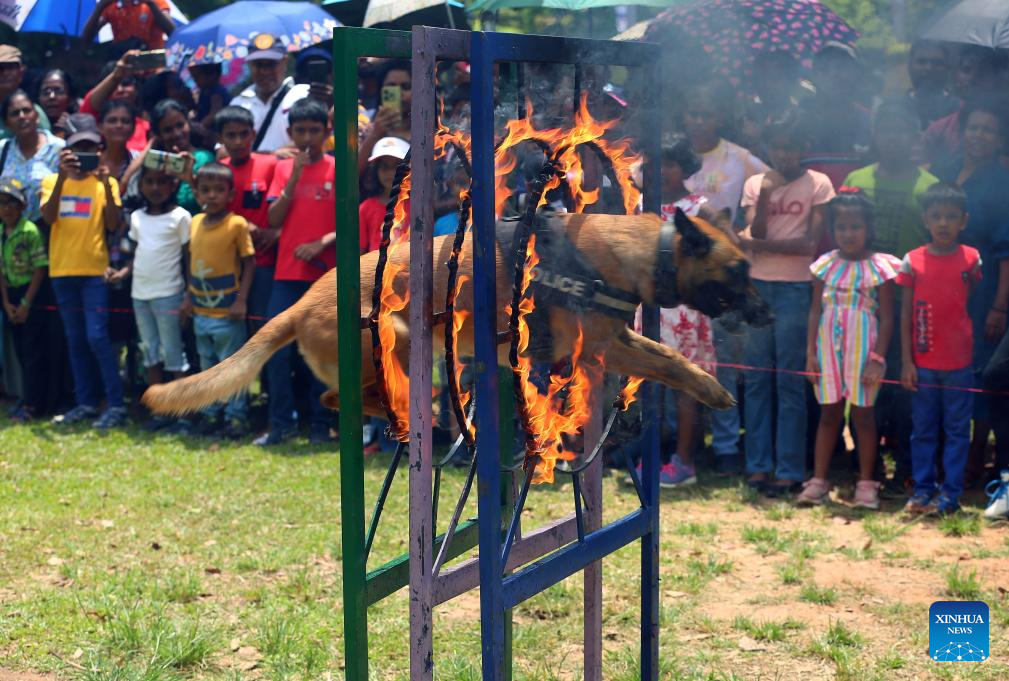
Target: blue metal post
(485, 312)
(651, 121)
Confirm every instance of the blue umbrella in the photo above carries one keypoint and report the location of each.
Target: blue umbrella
(66, 17)
(228, 33)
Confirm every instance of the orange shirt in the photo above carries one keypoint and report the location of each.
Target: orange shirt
(133, 19)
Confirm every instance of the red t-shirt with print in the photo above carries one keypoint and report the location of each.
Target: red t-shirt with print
(942, 336)
(312, 215)
(252, 183)
(134, 19)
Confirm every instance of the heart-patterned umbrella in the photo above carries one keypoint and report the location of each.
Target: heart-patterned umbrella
(726, 35)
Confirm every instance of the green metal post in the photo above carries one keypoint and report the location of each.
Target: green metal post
(348, 46)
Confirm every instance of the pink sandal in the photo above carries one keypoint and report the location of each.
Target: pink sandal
(866, 494)
(815, 492)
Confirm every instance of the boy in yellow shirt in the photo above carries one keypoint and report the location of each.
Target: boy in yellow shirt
(81, 204)
(221, 267)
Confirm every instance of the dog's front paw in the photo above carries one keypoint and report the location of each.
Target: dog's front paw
(710, 392)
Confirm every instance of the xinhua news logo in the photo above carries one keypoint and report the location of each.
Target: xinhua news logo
(958, 631)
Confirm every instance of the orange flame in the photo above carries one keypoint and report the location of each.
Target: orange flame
(566, 406)
(397, 382)
(551, 414)
(629, 394)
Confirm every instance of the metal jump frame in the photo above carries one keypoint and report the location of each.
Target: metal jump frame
(499, 591)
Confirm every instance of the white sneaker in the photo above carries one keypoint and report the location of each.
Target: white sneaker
(998, 495)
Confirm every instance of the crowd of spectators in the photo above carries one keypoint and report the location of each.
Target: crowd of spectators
(154, 220)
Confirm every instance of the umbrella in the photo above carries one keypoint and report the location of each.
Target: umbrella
(977, 22)
(730, 33)
(227, 33)
(66, 17)
(572, 5)
(401, 14)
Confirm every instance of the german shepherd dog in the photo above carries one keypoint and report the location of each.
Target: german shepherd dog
(712, 276)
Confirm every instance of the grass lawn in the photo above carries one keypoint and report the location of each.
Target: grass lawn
(129, 558)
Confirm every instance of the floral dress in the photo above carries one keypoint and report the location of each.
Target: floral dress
(30, 171)
(849, 323)
(683, 328)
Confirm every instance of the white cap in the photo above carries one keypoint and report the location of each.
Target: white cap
(390, 146)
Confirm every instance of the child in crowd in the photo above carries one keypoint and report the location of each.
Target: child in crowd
(785, 211)
(221, 268)
(725, 167)
(303, 207)
(936, 343)
(253, 174)
(160, 231)
(82, 209)
(894, 185)
(213, 95)
(24, 262)
(385, 157)
(850, 326)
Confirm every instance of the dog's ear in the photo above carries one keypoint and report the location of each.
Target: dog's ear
(693, 242)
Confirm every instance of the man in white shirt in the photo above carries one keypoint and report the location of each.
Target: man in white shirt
(268, 66)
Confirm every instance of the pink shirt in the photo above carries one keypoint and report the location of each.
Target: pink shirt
(789, 217)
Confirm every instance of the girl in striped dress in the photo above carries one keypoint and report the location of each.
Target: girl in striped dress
(850, 326)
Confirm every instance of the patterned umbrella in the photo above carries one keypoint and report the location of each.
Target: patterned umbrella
(728, 34)
(230, 32)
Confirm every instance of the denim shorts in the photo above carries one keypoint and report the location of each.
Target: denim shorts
(160, 333)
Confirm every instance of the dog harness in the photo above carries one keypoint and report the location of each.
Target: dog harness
(564, 277)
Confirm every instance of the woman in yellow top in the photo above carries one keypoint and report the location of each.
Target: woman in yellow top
(82, 206)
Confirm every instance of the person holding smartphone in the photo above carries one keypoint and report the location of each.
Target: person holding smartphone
(82, 206)
(393, 116)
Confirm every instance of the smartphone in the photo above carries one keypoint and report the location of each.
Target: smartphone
(149, 60)
(318, 71)
(164, 161)
(392, 97)
(87, 159)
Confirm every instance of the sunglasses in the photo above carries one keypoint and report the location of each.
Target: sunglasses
(9, 202)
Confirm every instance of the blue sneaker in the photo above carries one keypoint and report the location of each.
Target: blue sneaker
(677, 474)
(945, 506)
(920, 503)
(998, 497)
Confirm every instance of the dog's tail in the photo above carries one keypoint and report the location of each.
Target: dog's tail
(232, 376)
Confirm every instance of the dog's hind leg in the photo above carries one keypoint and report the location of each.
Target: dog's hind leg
(634, 355)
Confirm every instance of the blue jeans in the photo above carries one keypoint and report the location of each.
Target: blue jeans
(160, 333)
(781, 346)
(84, 308)
(931, 406)
(725, 422)
(259, 297)
(281, 366)
(217, 339)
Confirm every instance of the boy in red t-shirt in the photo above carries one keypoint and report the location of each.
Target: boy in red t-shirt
(146, 20)
(936, 345)
(236, 131)
(303, 207)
